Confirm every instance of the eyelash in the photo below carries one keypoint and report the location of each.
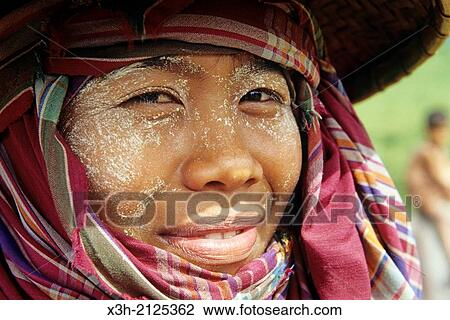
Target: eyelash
(142, 97)
(274, 95)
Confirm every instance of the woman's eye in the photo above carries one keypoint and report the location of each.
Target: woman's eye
(260, 103)
(154, 105)
(260, 95)
(154, 97)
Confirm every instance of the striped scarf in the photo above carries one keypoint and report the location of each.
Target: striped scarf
(48, 235)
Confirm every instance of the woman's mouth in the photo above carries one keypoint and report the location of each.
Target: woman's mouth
(215, 246)
(214, 240)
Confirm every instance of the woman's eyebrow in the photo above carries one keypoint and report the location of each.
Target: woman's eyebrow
(264, 65)
(181, 65)
(255, 68)
(173, 64)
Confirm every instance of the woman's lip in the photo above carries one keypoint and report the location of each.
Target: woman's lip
(211, 240)
(212, 224)
(195, 230)
(213, 250)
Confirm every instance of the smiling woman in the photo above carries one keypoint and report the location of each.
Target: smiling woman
(193, 150)
(189, 123)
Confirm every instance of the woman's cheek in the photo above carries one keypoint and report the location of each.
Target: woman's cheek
(157, 164)
(108, 145)
(160, 161)
(276, 145)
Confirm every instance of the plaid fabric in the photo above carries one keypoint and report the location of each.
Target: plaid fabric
(383, 235)
(48, 232)
(263, 278)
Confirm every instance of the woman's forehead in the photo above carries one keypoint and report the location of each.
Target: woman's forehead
(232, 65)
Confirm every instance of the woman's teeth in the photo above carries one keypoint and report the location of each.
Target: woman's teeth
(224, 235)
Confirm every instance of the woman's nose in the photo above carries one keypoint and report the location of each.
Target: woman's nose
(226, 171)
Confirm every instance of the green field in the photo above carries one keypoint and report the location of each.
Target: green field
(395, 117)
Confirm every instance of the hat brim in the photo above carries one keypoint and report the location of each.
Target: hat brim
(374, 43)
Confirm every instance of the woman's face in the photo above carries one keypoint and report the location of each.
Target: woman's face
(209, 126)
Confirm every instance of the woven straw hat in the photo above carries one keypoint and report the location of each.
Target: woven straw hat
(372, 43)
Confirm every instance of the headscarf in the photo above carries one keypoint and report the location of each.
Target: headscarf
(54, 246)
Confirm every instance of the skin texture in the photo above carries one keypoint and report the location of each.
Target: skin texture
(439, 135)
(191, 123)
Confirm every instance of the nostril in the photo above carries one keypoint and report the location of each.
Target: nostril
(215, 184)
(251, 181)
(221, 185)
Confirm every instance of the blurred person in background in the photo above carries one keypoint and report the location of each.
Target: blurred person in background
(429, 177)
